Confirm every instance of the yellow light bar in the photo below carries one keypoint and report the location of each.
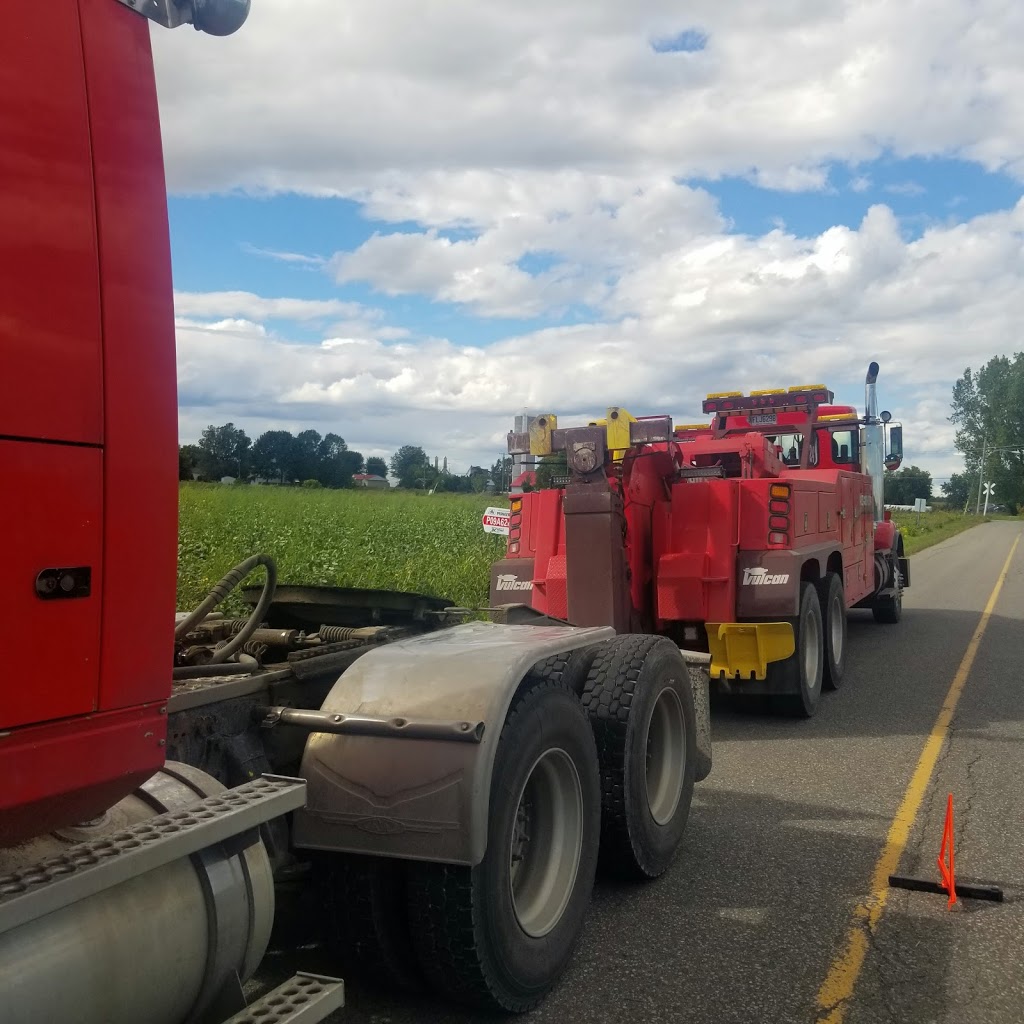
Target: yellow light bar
(809, 387)
(725, 394)
(693, 426)
(837, 416)
(769, 391)
(780, 490)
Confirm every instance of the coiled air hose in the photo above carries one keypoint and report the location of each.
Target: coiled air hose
(221, 591)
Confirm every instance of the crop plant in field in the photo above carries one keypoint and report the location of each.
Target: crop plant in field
(430, 544)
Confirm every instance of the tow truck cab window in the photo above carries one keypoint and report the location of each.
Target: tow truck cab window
(844, 444)
(792, 446)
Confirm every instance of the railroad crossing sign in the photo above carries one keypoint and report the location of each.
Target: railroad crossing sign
(497, 520)
(990, 489)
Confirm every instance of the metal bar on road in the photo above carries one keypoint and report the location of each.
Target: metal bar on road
(968, 891)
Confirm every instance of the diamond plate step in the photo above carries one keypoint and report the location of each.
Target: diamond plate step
(306, 999)
(92, 867)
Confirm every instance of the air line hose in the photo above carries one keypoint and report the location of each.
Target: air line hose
(221, 591)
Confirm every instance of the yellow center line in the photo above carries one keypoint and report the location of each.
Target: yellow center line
(837, 988)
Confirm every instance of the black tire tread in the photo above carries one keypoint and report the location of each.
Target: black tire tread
(793, 704)
(887, 612)
(368, 929)
(568, 667)
(444, 915)
(824, 586)
(607, 698)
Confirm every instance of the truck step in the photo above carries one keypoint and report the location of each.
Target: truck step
(306, 999)
(92, 867)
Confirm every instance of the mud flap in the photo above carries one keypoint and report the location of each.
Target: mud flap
(701, 684)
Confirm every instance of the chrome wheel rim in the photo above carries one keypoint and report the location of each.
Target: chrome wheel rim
(812, 651)
(837, 629)
(666, 756)
(547, 843)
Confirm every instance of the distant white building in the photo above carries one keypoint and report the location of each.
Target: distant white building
(370, 481)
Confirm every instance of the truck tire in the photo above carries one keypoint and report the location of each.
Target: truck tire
(834, 625)
(498, 936)
(798, 678)
(368, 920)
(888, 610)
(570, 668)
(640, 703)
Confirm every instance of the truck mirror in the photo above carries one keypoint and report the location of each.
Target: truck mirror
(219, 17)
(214, 17)
(896, 442)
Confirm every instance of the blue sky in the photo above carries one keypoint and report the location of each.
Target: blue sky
(414, 224)
(241, 242)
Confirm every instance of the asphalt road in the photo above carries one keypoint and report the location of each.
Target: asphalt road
(786, 832)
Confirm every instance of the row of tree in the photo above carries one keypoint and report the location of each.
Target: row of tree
(277, 455)
(988, 409)
(909, 483)
(413, 470)
(285, 458)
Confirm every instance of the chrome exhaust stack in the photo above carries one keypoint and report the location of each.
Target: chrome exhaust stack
(873, 447)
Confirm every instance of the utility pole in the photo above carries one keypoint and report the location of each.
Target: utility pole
(981, 475)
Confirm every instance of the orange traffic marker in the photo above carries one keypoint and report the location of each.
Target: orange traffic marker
(948, 881)
(948, 884)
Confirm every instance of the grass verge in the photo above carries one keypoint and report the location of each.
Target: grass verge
(933, 527)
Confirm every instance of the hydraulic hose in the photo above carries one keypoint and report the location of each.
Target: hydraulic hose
(221, 591)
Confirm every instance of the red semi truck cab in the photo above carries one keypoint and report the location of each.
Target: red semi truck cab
(88, 425)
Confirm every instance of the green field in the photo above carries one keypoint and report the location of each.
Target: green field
(934, 527)
(396, 541)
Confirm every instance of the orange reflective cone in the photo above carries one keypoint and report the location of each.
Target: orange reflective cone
(946, 871)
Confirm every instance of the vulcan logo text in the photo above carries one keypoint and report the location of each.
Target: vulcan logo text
(512, 583)
(763, 578)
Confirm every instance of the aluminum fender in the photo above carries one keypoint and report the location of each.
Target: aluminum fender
(421, 799)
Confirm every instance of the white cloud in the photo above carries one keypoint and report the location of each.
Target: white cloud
(584, 228)
(906, 188)
(255, 307)
(284, 257)
(534, 158)
(314, 98)
(713, 311)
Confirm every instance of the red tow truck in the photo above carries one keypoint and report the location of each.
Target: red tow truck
(749, 537)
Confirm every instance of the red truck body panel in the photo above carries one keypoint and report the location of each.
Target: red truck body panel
(697, 544)
(89, 431)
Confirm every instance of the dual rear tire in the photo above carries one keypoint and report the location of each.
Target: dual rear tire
(819, 661)
(596, 761)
